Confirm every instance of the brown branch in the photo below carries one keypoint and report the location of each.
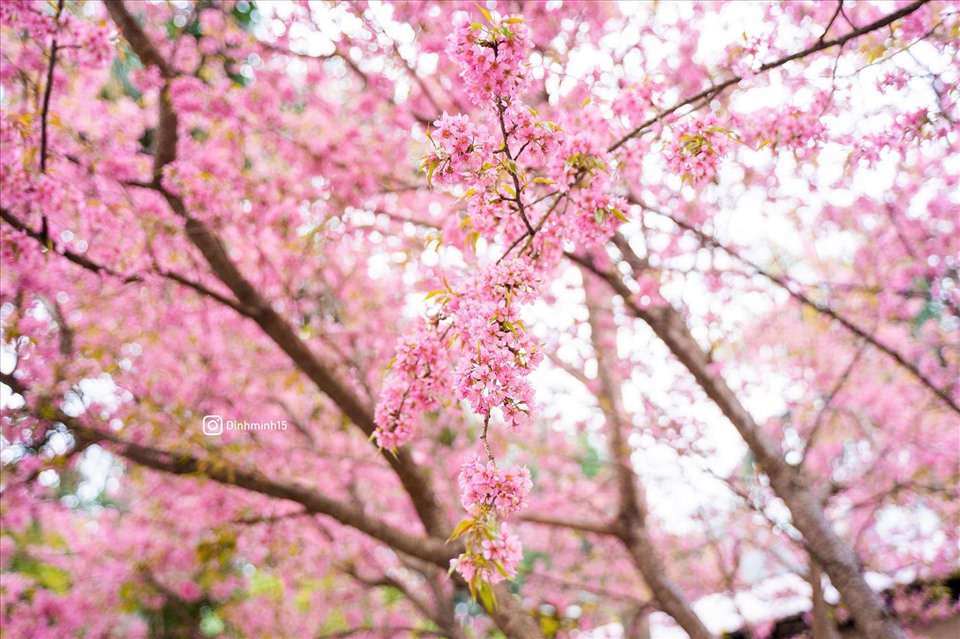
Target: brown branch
(48, 90)
(134, 34)
(269, 519)
(706, 239)
(834, 555)
(261, 311)
(177, 603)
(822, 626)
(833, 18)
(594, 528)
(446, 622)
(631, 525)
(516, 180)
(818, 46)
(100, 269)
(431, 550)
(819, 420)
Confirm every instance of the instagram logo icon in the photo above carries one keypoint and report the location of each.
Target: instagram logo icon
(212, 425)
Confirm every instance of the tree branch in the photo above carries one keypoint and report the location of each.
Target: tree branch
(48, 90)
(820, 45)
(631, 525)
(431, 550)
(836, 557)
(100, 269)
(261, 311)
(706, 239)
(595, 528)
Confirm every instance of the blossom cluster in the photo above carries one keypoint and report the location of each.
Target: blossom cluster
(581, 164)
(698, 146)
(533, 139)
(461, 148)
(489, 493)
(486, 488)
(798, 129)
(635, 104)
(502, 352)
(492, 59)
(416, 381)
(464, 153)
(746, 59)
(497, 560)
(488, 212)
(598, 215)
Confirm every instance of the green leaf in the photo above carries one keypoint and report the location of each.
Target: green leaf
(487, 597)
(462, 528)
(51, 578)
(472, 239)
(211, 625)
(486, 14)
(268, 585)
(391, 595)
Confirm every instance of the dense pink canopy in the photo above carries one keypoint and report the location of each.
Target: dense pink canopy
(546, 319)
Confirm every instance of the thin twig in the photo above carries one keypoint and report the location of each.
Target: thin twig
(826, 30)
(819, 46)
(46, 96)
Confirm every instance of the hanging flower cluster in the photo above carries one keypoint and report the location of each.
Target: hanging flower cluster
(462, 148)
(492, 552)
(500, 164)
(419, 375)
(499, 352)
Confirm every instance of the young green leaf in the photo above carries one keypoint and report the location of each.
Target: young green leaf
(486, 14)
(462, 528)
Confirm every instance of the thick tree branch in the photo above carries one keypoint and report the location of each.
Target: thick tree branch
(134, 34)
(209, 245)
(431, 550)
(836, 557)
(631, 526)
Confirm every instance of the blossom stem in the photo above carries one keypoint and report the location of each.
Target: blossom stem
(483, 437)
(516, 180)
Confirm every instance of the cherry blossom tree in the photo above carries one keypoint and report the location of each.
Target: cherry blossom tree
(523, 319)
